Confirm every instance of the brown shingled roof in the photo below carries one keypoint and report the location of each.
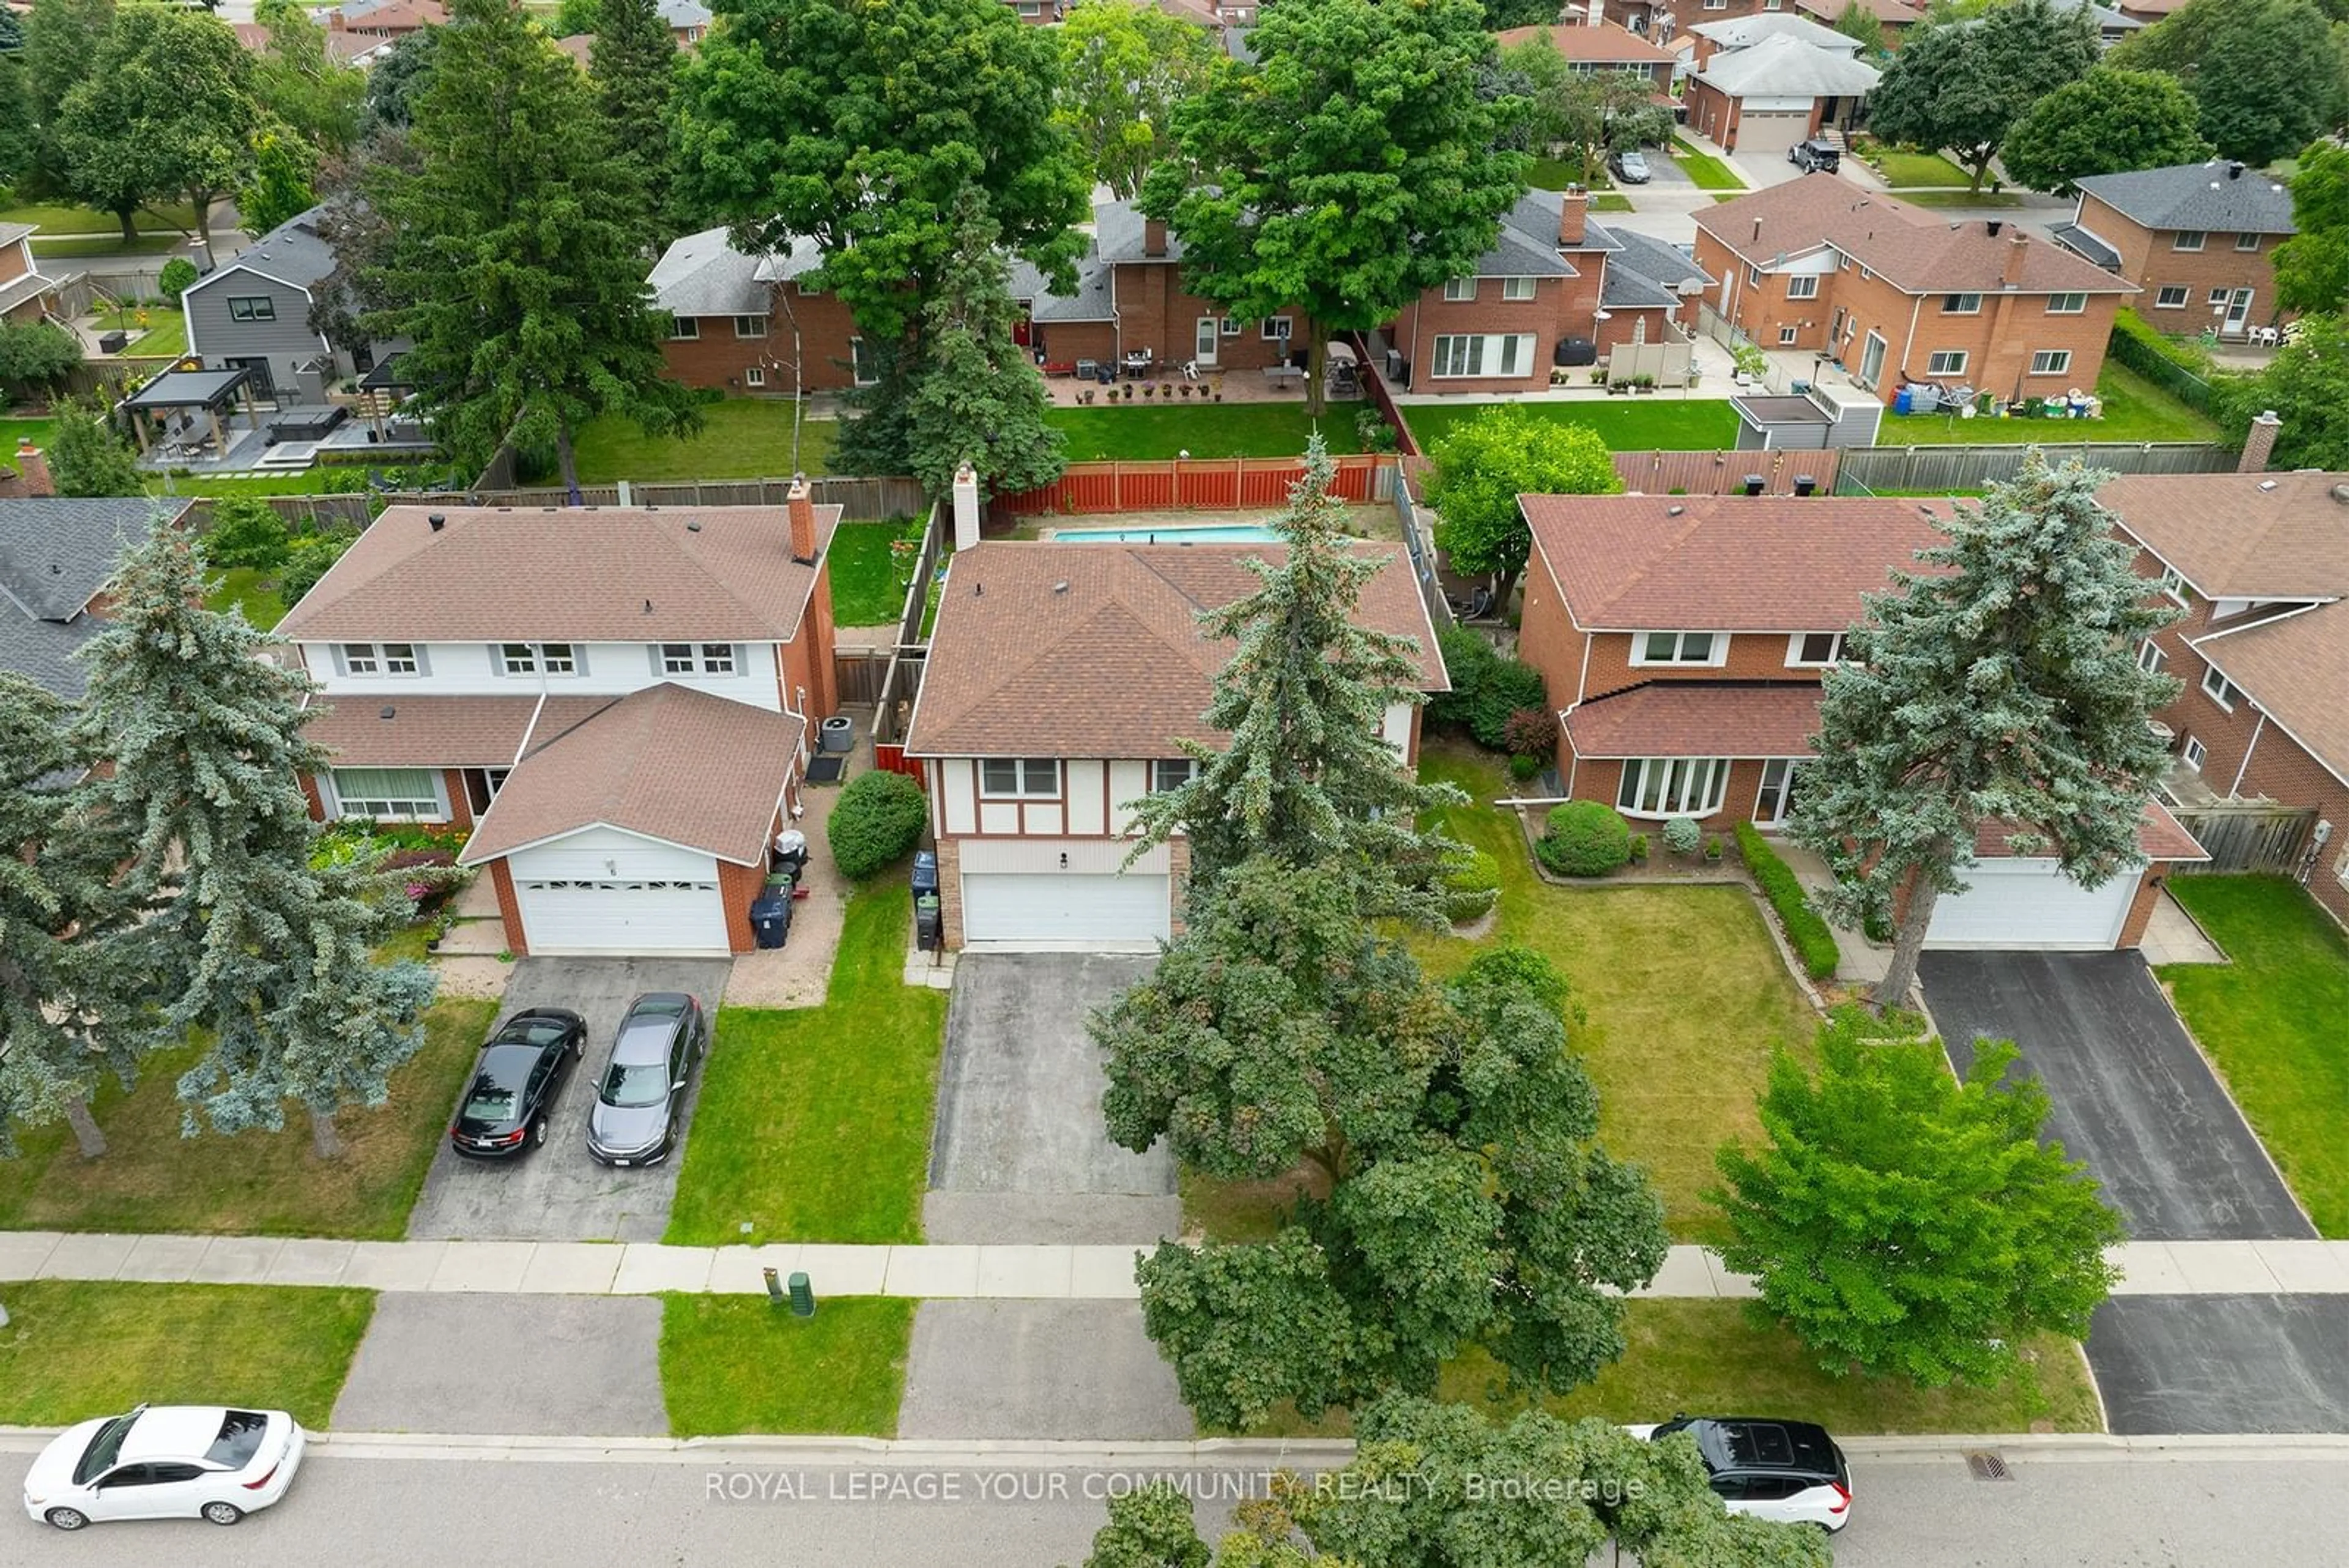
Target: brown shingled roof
(1917, 251)
(1095, 649)
(2296, 670)
(2159, 837)
(1698, 719)
(670, 762)
(568, 574)
(1606, 44)
(440, 731)
(2242, 536)
(1724, 563)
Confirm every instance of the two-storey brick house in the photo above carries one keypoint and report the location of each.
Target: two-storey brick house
(1683, 641)
(751, 324)
(2258, 565)
(616, 701)
(1893, 293)
(2200, 240)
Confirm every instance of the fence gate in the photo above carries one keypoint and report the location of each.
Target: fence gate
(2249, 836)
(857, 674)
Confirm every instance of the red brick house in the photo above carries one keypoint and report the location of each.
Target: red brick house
(1893, 293)
(1687, 689)
(749, 325)
(2200, 240)
(2260, 564)
(1765, 83)
(1896, 16)
(1596, 48)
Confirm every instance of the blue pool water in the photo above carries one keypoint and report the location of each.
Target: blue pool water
(1208, 532)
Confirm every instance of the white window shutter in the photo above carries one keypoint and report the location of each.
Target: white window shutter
(659, 671)
(497, 659)
(423, 659)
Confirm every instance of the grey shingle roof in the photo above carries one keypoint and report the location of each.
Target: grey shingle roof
(55, 554)
(1648, 273)
(1527, 243)
(2217, 196)
(292, 252)
(1744, 32)
(684, 14)
(2072, 236)
(704, 275)
(1117, 234)
(1785, 67)
(1090, 303)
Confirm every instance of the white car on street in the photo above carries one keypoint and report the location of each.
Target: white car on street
(165, 1462)
(1790, 1472)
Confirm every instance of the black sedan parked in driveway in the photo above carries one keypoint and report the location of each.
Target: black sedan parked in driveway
(640, 1094)
(516, 1081)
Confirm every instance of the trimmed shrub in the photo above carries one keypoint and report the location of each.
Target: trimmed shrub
(1713, 847)
(245, 532)
(877, 820)
(177, 274)
(1638, 847)
(1806, 933)
(1683, 835)
(1468, 655)
(1472, 885)
(1585, 838)
(307, 560)
(1530, 733)
(1522, 768)
(1504, 687)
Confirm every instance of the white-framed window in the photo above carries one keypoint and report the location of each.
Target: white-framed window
(1012, 778)
(2173, 582)
(1230, 327)
(750, 327)
(1460, 290)
(1946, 362)
(1484, 354)
(1277, 329)
(379, 658)
(2066, 304)
(2193, 753)
(2222, 297)
(2149, 657)
(2247, 241)
(1814, 650)
(255, 308)
(754, 375)
(1172, 773)
(2186, 240)
(861, 369)
(684, 328)
(717, 658)
(1802, 285)
(696, 657)
(390, 794)
(1753, 277)
(2051, 362)
(1517, 289)
(538, 657)
(2221, 689)
(1672, 786)
(1716, 4)
(1961, 304)
(1708, 647)
(1786, 336)
(2172, 296)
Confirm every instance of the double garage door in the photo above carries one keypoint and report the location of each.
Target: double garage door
(2018, 903)
(1766, 132)
(1124, 909)
(612, 916)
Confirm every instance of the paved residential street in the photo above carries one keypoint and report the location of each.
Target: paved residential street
(545, 1365)
(557, 1193)
(1911, 1512)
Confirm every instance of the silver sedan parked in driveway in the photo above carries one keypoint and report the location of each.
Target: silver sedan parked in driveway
(640, 1094)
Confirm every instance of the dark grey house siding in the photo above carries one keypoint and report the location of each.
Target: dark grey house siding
(285, 343)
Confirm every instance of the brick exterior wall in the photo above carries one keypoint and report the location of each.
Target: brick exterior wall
(737, 885)
(1560, 308)
(461, 804)
(807, 659)
(1154, 311)
(1066, 342)
(1716, 114)
(2149, 258)
(509, 909)
(1178, 880)
(950, 889)
(720, 360)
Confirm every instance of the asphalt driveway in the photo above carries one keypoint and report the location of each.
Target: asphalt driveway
(2223, 1364)
(1059, 1370)
(1019, 1153)
(557, 1193)
(2131, 1095)
(500, 1364)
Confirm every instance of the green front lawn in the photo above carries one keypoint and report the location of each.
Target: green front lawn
(814, 1123)
(66, 218)
(78, 1349)
(251, 589)
(2275, 1020)
(1904, 169)
(1655, 421)
(318, 479)
(2135, 410)
(738, 1363)
(256, 1183)
(104, 246)
(865, 587)
(1961, 198)
(1153, 432)
(1701, 1356)
(742, 438)
(1709, 173)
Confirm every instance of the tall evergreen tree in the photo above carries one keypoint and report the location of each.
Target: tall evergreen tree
(634, 60)
(1307, 777)
(514, 261)
(1997, 685)
(260, 941)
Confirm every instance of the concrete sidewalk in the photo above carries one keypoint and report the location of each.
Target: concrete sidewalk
(937, 1273)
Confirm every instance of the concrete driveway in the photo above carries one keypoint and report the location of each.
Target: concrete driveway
(2223, 1364)
(2131, 1095)
(557, 1193)
(1019, 1153)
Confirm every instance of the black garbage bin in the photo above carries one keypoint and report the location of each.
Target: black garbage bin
(929, 921)
(770, 917)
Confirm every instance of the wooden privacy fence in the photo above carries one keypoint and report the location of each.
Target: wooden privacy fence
(1726, 472)
(858, 673)
(1928, 469)
(1221, 483)
(2248, 835)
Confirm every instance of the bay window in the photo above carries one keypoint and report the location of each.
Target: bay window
(389, 795)
(1672, 786)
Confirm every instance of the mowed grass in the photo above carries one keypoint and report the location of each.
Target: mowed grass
(1904, 169)
(742, 438)
(69, 218)
(1649, 422)
(78, 1349)
(1155, 431)
(1708, 172)
(2276, 1021)
(2135, 410)
(255, 1183)
(251, 590)
(815, 1125)
(1709, 1356)
(109, 245)
(865, 587)
(738, 1363)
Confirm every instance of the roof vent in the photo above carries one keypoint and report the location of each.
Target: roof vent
(693, 524)
(2269, 484)
(436, 520)
(2234, 170)
(1993, 225)
(1061, 588)
(1675, 510)
(388, 712)
(2341, 494)
(977, 590)
(648, 606)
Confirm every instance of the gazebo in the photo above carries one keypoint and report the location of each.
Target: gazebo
(164, 410)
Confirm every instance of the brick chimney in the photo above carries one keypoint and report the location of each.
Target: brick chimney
(2018, 251)
(1153, 237)
(1573, 208)
(33, 470)
(2258, 445)
(800, 501)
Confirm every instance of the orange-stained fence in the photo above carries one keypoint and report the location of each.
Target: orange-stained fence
(1223, 483)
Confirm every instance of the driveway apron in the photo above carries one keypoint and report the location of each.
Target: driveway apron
(525, 1365)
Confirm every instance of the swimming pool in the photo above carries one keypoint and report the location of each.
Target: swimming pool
(1178, 533)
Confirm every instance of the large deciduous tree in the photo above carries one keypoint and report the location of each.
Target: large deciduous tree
(1862, 26)
(1914, 1226)
(2266, 74)
(2311, 267)
(1578, 113)
(282, 184)
(1457, 1196)
(1998, 685)
(2108, 122)
(302, 82)
(62, 37)
(261, 942)
(1123, 68)
(1484, 464)
(634, 61)
(1960, 86)
(2307, 383)
(1353, 167)
(88, 456)
(513, 253)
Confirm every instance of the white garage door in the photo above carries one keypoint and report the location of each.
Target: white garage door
(2030, 904)
(1768, 132)
(1126, 908)
(622, 917)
